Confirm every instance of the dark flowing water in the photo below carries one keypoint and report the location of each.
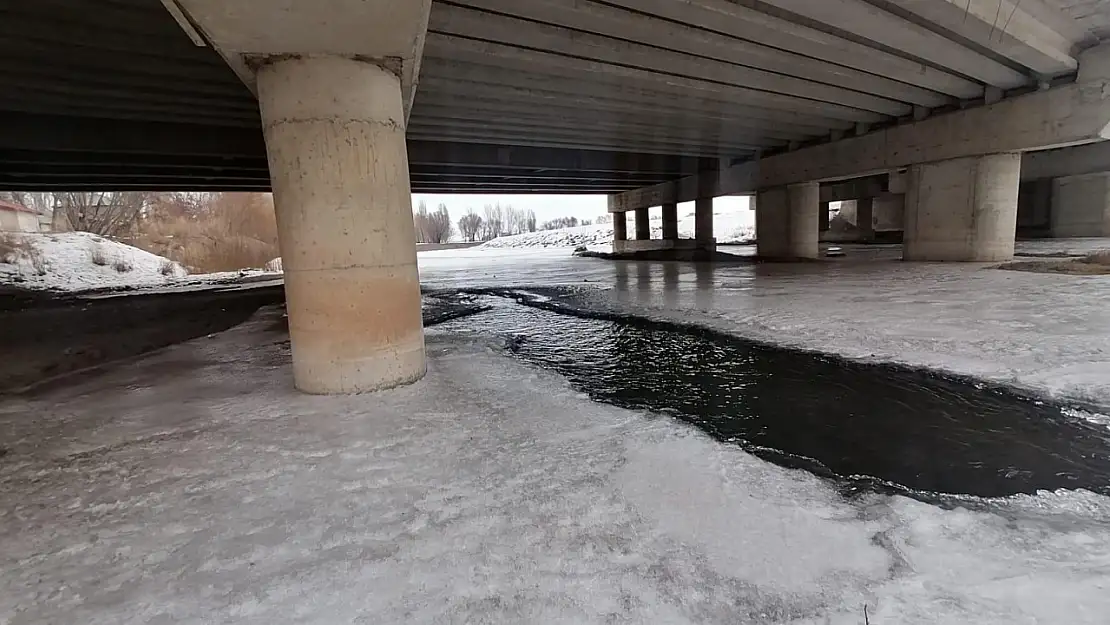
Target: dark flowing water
(869, 426)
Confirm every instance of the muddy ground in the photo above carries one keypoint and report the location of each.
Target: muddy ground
(45, 335)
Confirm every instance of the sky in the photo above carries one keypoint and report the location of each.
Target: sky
(549, 207)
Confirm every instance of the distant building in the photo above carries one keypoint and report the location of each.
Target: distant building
(17, 218)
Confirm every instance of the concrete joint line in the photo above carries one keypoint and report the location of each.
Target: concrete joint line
(383, 268)
(390, 124)
(391, 64)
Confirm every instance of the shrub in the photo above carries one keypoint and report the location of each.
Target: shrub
(228, 231)
(14, 248)
(121, 265)
(99, 257)
(168, 268)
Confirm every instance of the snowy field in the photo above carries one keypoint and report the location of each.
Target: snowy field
(729, 226)
(72, 261)
(81, 261)
(195, 486)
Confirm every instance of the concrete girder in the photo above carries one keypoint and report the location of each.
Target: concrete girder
(1068, 115)
(701, 143)
(647, 147)
(579, 118)
(882, 27)
(589, 109)
(1020, 30)
(736, 20)
(472, 82)
(619, 23)
(509, 31)
(505, 57)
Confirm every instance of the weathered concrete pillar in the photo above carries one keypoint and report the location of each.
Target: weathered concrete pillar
(670, 222)
(786, 221)
(620, 226)
(335, 139)
(865, 220)
(703, 220)
(643, 225)
(823, 217)
(963, 209)
(1081, 206)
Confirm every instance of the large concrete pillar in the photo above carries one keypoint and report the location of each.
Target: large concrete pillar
(703, 220)
(335, 139)
(643, 225)
(865, 218)
(670, 222)
(963, 209)
(1081, 206)
(620, 226)
(787, 221)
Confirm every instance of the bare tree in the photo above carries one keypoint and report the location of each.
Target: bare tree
(561, 222)
(420, 222)
(530, 221)
(469, 225)
(100, 212)
(493, 224)
(438, 226)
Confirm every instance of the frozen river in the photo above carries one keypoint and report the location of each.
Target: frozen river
(522, 483)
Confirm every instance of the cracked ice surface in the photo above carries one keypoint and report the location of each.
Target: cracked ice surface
(1049, 333)
(195, 486)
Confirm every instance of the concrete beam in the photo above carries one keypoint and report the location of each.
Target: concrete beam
(1068, 115)
(737, 20)
(619, 23)
(882, 27)
(459, 21)
(448, 81)
(579, 118)
(855, 189)
(498, 129)
(1027, 33)
(624, 68)
(619, 145)
(1074, 161)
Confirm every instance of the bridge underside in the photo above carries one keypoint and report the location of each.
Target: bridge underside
(344, 107)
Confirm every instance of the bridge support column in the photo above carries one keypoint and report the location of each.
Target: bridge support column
(703, 223)
(335, 140)
(643, 226)
(787, 221)
(963, 209)
(620, 226)
(670, 222)
(1081, 206)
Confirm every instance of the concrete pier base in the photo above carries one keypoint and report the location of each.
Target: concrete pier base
(787, 221)
(963, 209)
(335, 140)
(1081, 206)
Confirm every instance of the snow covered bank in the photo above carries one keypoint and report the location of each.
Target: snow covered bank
(732, 226)
(72, 261)
(198, 486)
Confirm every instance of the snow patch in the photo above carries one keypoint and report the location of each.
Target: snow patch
(75, 261)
